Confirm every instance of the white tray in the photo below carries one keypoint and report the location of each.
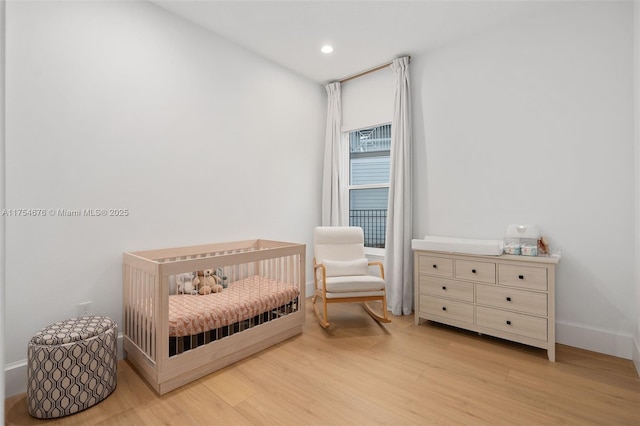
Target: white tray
(459, 245)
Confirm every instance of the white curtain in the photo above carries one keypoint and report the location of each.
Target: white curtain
(398, 254)
(332, 208)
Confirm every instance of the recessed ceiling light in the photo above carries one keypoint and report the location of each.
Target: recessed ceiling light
(326, 49)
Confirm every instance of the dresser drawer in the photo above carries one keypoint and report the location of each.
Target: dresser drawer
(523, 276)
(437, 266)
(476, 271)
(447, 309)
(443, 287)
(511, 322)
(508, 298)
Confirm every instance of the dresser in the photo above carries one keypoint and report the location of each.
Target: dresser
(511, 297)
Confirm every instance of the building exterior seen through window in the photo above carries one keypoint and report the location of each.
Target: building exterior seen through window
(369, 155)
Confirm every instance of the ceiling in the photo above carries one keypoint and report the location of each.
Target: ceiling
(364, 34)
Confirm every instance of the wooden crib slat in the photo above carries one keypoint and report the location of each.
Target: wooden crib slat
(147, 320)
(152, 350)
(142, 302)
(143, 312)
(153, 354)
(137, 307)
(126, 300)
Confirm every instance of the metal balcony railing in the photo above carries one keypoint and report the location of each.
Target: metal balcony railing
(374, 224)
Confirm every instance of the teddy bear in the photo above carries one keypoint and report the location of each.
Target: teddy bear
(221, 278)
(207, 282)
(185, 283)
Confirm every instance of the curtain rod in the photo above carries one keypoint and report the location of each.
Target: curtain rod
(369, 71)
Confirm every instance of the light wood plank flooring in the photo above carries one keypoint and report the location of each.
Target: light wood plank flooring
(362, 373)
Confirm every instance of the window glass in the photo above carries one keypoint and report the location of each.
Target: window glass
(369, 155)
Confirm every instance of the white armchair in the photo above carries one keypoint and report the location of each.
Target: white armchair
(341, 272)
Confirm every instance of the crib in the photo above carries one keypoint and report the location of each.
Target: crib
(172, 338)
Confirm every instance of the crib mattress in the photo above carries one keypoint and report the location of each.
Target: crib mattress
(241, 300)
(459, 245)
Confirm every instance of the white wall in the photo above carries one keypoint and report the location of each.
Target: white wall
(122, 105)
(636, 74)
(532, 122)
(2, 204)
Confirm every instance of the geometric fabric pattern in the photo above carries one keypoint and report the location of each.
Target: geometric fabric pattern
(71, 366)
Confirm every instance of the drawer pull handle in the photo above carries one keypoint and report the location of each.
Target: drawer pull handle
(521, 277)
(444, 287)
(473, 271)
(444, 308)
(508, 322)
(435, 266)
(508, 299)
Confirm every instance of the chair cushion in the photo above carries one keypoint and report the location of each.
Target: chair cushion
(339, 235)
(339, 268)
(377, 293)
(354, 284)
(338, 243)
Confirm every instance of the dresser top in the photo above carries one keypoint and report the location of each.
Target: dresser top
(553, 259)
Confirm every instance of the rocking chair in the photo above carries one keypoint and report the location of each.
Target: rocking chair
(341, 272)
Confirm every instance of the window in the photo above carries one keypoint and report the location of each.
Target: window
(369, 155)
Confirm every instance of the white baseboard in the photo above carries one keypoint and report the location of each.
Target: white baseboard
(636, 354)
(15, 378)
(309, 289)
(603, 341)
(15, 374)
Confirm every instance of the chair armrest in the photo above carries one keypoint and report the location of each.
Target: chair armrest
(378, 263)
(320, 266)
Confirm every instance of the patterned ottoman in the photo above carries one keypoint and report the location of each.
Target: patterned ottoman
(72, 366)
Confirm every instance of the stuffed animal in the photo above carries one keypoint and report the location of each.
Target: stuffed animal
(185, 283)
(222, 279)
(207, 282)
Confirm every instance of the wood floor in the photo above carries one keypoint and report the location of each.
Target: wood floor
(362, 373)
